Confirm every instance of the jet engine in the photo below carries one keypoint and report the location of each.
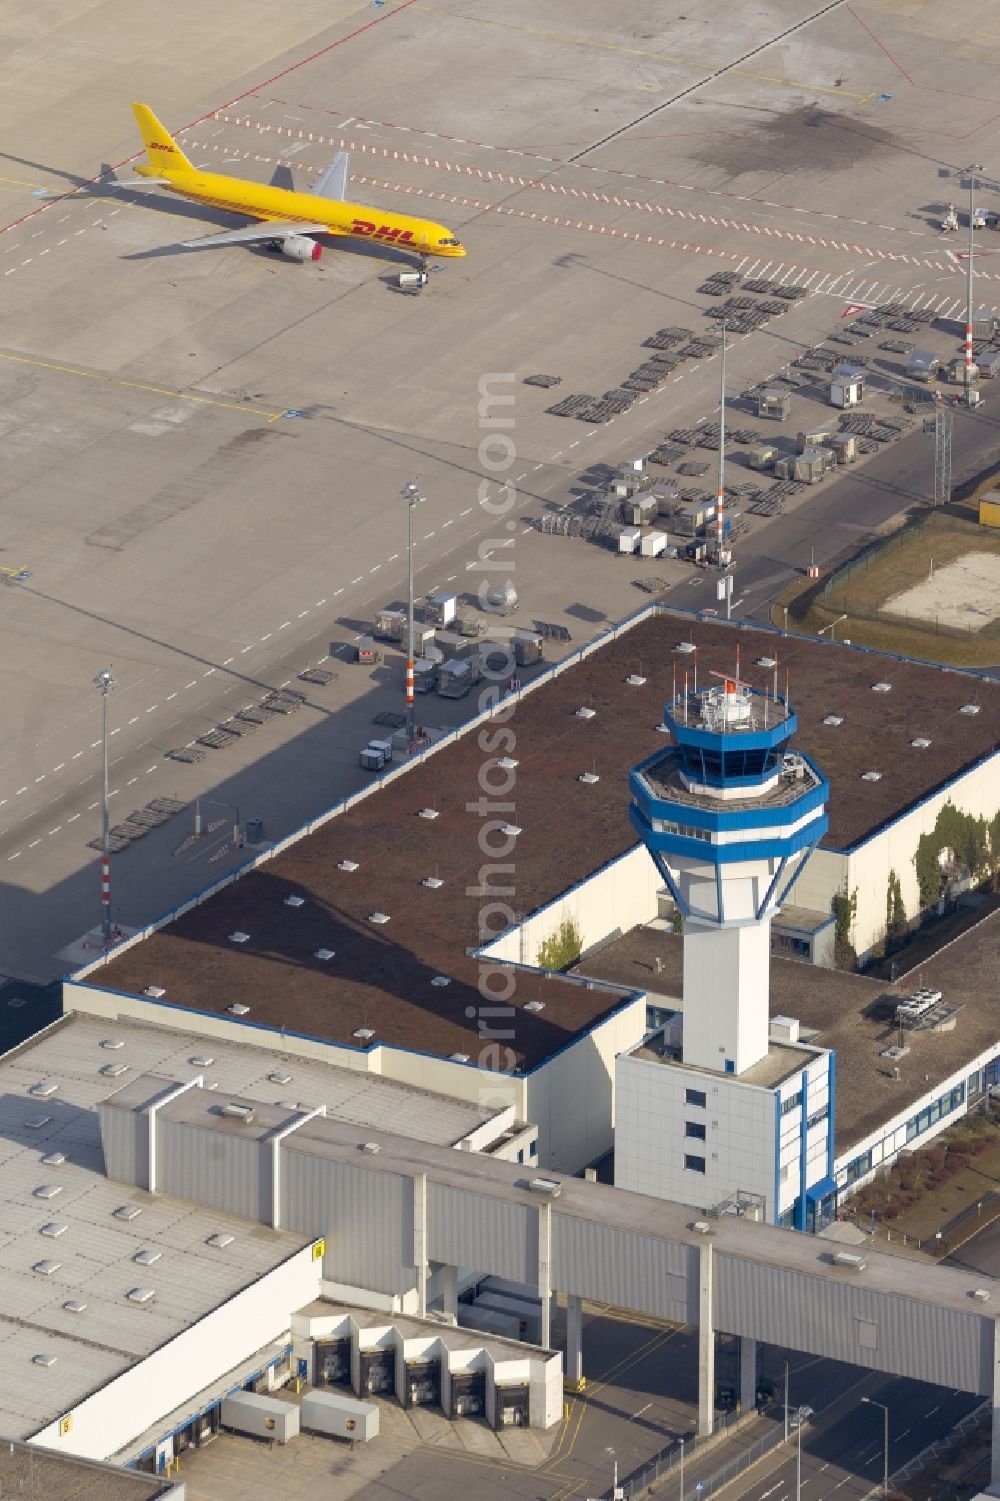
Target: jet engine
(301, 248)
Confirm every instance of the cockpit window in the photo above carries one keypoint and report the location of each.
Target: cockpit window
(449, 242)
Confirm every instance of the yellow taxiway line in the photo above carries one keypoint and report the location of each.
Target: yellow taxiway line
(136, 385)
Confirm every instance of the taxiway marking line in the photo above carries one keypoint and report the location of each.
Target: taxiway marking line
(134, 385)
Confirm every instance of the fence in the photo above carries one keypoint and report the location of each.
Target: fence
(670, 1460)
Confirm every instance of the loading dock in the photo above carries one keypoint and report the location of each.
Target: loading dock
(468, 1394)
(422, 1386)
(333, 1362)
(512, 1407)
(377, 1376)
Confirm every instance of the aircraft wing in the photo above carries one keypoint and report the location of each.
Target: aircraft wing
(269, 229)
(332, 181)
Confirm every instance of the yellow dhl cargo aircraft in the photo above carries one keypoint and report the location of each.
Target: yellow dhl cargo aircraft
(286, 218)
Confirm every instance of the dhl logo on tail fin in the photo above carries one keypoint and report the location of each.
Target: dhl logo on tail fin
(163, 151)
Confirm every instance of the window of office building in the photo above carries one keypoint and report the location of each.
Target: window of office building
(695, 1097)
(694, 1130)
(694, 1164)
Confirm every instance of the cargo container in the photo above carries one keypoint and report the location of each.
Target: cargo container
(762, 456)
(923, 365)
(653, 545)
(365, 651)
(340, 1417)
(814, 437)
(774, 402)
(847, 386)
(628, 540)
(456, 678)
(390, 625)
(384, 747)
(527, 648)
(425, 675)
(371, 760)
(260, 1416)
(440, 609)
(467, 623)
(641, 510)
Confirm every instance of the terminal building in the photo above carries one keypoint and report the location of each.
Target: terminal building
(465, 985)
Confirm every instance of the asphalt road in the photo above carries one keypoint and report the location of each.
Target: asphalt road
(843, 1445)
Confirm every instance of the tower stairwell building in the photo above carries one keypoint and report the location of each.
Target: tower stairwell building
(726, 1107)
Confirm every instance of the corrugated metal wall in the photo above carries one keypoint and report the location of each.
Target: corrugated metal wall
(214, 1169)
(120, 1130)
(469, 1229)
(366, 1218)
(625, 1268)
(847, 1321)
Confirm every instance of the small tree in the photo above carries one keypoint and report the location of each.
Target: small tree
(895, 910)
(562, 948)
(845, 910)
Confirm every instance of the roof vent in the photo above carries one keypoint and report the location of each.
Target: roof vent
(701, 1227)
(767, 661)
(510, 829)
(441, 981)
(48, 1191)
(881, 687)
(833, 720)
(363, 1034)
(127, 1212)
(969, 709)
(114, 1070)
(278, 1078)
(378, 918)
(114, 1043)
(586, 713)
(239, 938)
(348, 865)
(534, 1005)
(37, 1122)
(428, 813)
(871, 776)
(981, 1293)
(155, 992)
(685, 646)
(48, 1361)
(432, 881)
(202, 1060)
(508, 763)
(46, 1268)
(849, 1259)
(324, 954)
(54, 1159)
(53, 1229)
(458, 1057)
(371, 1147)
(74, 1306)
(920, 743)
(141, 1294)
(295, 901)
(635, 680)
(588, 778)
(147, 1258)
(237, 1009)
(288, 1105)
(237, 1112)
(220, 1240)
(550, 1187)
(44, 1088)
(16, 1002)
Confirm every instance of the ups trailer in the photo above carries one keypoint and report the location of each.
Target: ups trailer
(340, 1417)
(260, 1416)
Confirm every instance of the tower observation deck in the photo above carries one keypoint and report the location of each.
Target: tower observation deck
(729, 815)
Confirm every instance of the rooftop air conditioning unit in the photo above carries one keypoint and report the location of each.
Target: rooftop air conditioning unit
(378, 918)
(588, 778)
(363, 1034)
(348, 865)
(238, 1112)
(871, 776)
(550, 1187)
(155, 992)
(324, 954)
(635, 680)
(701, 1227)
(428, 813)
(433, 882)
(295, 901)
(881, 687)
(920, 743)
(685, 646)
(767, 661)
(508, 763)
(981, 1293)
(969, 709)
(237, 1009)
(534, 1005)
(833, 720)
(850, 1260)
(371, 1147)
(441, 981)
(586, 713)
(239, 938)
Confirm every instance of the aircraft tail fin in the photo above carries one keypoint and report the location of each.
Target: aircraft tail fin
(163, 151)
(332, 181)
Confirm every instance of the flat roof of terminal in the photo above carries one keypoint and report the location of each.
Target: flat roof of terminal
(380, 977)
(94, 1254)
(851, 1014)
(29, 1471)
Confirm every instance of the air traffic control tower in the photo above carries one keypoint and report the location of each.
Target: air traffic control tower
(730, 815)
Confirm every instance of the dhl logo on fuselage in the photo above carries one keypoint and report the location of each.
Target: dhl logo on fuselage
(380, 231)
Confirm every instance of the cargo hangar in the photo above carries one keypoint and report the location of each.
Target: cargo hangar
(351, 959)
